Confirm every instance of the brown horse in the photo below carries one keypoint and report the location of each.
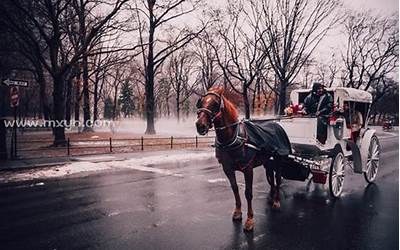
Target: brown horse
(232, 151)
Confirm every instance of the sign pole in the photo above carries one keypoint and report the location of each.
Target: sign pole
(12, 145)
(14, 102)
(15, 132)
(14, 85)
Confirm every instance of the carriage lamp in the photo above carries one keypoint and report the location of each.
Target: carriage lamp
(337, 124)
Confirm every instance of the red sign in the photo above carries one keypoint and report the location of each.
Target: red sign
(14, 97)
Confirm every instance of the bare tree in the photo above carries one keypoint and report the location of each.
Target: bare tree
(328, 72)
(116, 77)
(46, 22)
(100, 67)
(292, 30)
(152, 16)
(243, 60)
(372, 49)
(207, 70)
(180, 67)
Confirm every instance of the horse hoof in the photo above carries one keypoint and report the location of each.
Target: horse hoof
(276, 205)
(249, 225)
(237, 215)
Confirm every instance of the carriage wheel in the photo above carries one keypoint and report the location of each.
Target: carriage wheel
(336, 175)
(373, 160)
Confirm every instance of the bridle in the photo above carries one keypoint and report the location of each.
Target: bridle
(216, 114)
(211, 114)
(236, 140)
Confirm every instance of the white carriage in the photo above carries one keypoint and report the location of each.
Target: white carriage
(347, 145)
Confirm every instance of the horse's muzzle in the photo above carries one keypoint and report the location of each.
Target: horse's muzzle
(202, 128)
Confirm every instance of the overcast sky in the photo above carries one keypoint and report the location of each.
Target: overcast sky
(335, 40)
(382, 6)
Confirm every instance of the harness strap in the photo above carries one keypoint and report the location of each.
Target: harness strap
(321, 99)
(228, 126)
(231, 143)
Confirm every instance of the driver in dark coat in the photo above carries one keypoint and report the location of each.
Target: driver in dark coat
(319, 103)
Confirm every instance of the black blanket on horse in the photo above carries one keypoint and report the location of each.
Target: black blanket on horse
(268, 136)
(254, 136)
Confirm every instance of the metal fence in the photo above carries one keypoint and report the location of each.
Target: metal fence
(74, 147)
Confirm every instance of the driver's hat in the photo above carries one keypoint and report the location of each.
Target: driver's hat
(316, 86)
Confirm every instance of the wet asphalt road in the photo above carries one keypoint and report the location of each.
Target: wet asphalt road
(132, 209)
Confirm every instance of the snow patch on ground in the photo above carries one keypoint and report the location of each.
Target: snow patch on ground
(52, 172)
(140, 164)
(162, 158)
(216, 180)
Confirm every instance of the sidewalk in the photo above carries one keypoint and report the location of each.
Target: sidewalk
(25, 164)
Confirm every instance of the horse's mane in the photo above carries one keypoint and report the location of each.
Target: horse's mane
(229, 106)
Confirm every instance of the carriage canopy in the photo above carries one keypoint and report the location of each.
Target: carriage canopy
(340, 94)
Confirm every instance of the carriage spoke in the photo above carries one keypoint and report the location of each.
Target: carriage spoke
(337, 175)
(373, 160)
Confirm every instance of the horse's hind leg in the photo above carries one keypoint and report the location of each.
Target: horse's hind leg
(248, 177)
(237, 212)
(269, 172)
(278, 179)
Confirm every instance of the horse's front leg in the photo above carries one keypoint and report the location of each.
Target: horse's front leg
(248, 177)
(230, 174)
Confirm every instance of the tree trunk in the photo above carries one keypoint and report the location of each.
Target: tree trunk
(282, 97)
(68, 102)
(42, 92)
(178, 106)
(115, 101)
(77, 98)
(3, 131)
(246, 102)
(85, 70)
(59, 110)
(167, 104)
(254, 101)
(95, 101)
(3, 140)
(149, 89)
(86, 97)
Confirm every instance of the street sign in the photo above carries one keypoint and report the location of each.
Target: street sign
(14, 97)
(19, 83)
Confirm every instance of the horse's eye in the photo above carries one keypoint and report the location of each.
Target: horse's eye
(198, 104)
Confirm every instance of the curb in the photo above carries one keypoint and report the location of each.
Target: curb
(23, 165)
(32, 166)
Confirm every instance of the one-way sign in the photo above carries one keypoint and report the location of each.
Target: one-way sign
(18, 83)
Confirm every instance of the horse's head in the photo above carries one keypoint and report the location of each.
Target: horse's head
(209, 107)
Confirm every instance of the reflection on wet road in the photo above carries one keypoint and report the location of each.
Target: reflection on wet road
(191, 209)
